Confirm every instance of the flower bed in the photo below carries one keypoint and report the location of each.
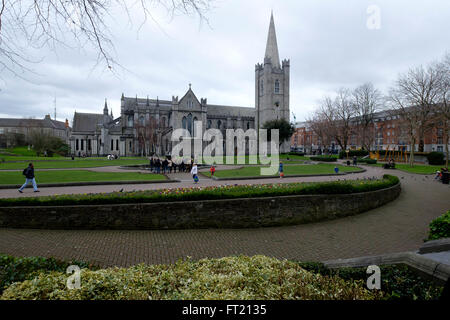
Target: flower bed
(207, 193)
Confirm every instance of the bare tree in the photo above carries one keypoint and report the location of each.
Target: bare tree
(442, 110)
(412, 98)
(26, 24)
(366, 102)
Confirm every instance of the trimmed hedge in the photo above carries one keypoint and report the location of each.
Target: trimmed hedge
(207, 193)
(436, 158)
(367, 161)
(323, 158)
(17, 269)
(397, 281)
(352, 153)
(440, 227)
(294, 153)
(231, 278)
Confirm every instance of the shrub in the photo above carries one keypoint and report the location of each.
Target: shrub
(295, 153)
(323, 158)
(440, 227)
(207, 193)
(15, 269)
(236, 278)
(352, 153)
(367, 161)
(435, 158)
(397, 281)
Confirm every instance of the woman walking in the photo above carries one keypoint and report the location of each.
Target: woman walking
(29, 175)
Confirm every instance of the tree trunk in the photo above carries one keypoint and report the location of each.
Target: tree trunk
(411, 155)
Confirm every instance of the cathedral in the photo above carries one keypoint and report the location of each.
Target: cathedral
(145, 125)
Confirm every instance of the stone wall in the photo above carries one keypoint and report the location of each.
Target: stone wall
(233, 213)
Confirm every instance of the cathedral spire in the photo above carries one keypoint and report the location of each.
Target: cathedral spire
(105, 109)
(272, 46)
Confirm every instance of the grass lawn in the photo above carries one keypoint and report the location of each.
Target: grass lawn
(81, 163)
(418, 168)
(313, 169)
(65, 176)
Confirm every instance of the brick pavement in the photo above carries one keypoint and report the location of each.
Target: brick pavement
(398, 226)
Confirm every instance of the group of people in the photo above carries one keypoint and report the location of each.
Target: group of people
(167, 165)
(439, 174)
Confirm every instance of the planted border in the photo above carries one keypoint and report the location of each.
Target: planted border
(193, 210)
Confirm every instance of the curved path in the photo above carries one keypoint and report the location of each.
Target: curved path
(398, 226)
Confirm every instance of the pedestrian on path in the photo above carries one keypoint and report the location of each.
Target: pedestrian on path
(194, 172)
(29, 175)
(280, 170)
(212, 170)
(336, 169)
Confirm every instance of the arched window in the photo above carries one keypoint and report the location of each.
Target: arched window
(189, 123)
(130, 120)
(219, 124)
(277, 86)
(248, 125)
(141, 120)
(209, 124)
(184, 123)
(77, 145)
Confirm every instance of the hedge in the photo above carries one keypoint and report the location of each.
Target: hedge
(397, 281)
(440, 227)
(208, 193)
(231, 278)
(16, 269)
(352, 153)
(323, 158)
(436, 158)
(367, 160)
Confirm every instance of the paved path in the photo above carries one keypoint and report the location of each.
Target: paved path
(398, 226)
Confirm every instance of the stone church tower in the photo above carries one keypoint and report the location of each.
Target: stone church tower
(272, 85)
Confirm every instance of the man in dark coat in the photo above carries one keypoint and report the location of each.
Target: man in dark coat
(29, 175)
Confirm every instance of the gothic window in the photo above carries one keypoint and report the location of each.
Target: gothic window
(130, 120)
(112, 145)
(77, 145)
(184, 123)
(209, 124)
(189, 123)
(277, 86)
(89, 144)
(219, 124)
(82, 144)
(117, 144)
(142, 120)
(248, 125)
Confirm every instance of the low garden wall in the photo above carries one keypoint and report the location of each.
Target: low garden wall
(230, 213)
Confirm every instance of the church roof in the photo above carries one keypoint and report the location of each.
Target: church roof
(272, 46)
(229, 111)
(85, 122)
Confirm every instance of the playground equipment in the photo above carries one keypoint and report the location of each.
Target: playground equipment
(398, 156)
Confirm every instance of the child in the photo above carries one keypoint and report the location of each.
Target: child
(212, 169)
(281, 170)
(336, 169)
(194, 172)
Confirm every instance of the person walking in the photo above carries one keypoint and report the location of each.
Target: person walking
(280, 170)
(355, 161)
(29, 175)
(194, 172)
(169, 164)
(212, 170)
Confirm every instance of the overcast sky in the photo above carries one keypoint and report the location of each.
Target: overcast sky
(328, 43)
